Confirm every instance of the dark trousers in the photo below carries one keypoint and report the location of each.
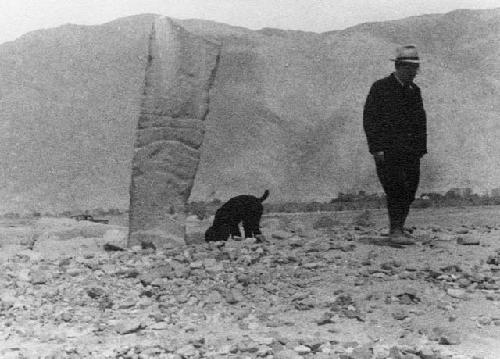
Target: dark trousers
(399, 176)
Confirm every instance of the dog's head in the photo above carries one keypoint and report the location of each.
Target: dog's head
(219, 233)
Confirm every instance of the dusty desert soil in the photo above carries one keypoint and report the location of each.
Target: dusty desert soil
(323, 285)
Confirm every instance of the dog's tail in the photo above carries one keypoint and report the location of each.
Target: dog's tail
(264, 196)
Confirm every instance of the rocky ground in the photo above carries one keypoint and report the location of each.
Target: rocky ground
(326, 285)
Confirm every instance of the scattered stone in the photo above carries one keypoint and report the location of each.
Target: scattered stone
(457, 293)
(287, 354)
(187, 351)
(364, 219)
(127, 303)
(322, 355)
(159, 326)
(468, 241)
(127, 327)
(112, 248)
(7, 299)
(260, 238)
(326, 318)
(484, 321)
(408, 297)
(65, 316)
(73, 272)
(428, 353)
(363, 352)
(234, 296)
(313, 265)
(256, 286)
(493, 259)
(264, 340)
(443, 237)
(248, 346)
(38, 277)
(302, 349)
(281, 235)
(196, 265)
(444, 336)
(325, 222)
(400, 314)
(96, 292)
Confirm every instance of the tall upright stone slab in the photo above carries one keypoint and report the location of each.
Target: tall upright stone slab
(180, 72)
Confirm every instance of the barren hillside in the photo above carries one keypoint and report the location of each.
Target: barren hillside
(285, 109)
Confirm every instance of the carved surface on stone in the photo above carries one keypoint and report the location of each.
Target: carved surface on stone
(170, 131)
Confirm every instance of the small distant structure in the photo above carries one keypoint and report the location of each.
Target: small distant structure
(88, 217)
(345, 197)
(353, 196)
(433, 196)
(463, 192)
(495, 193)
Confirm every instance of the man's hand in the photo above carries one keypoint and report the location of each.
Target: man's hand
(379, 157)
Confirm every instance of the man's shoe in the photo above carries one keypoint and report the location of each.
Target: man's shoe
(402, 241)
(397, 236)
(394, 232)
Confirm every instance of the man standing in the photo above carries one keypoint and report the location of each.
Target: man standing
(395, 124)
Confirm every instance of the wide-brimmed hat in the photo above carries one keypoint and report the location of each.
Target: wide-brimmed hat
(407, 53)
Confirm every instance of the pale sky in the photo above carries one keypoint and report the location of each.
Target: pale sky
(20, 16)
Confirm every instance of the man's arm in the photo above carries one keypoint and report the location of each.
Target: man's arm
(422, 128)
(378, 156)
(372, 124)
(423, 134)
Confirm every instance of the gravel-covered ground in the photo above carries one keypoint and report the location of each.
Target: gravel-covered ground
(323, 285)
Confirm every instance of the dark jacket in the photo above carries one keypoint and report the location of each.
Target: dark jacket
(394, 119)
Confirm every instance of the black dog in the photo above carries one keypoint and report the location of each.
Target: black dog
(245, 208)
